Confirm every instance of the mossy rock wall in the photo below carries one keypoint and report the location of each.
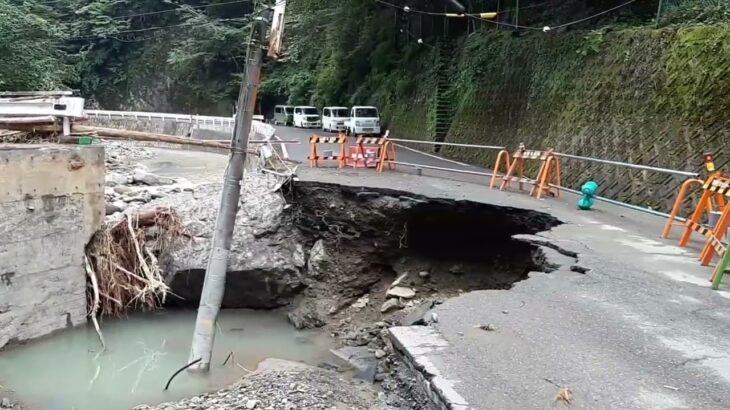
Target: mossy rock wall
(658, 97)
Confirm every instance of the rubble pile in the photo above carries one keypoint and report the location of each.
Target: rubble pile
(283, 385)
(129, 185)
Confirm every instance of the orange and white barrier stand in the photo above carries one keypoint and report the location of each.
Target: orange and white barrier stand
(715, 187)
(387, 156)
(678, 203)
(548, 175)
(314, 154)
(366, 157)
(503, 158)
(684, 189)
(714, 244)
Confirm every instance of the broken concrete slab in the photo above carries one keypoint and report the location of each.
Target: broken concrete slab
(417, 316)
(417, 345)
(401, 292)
(391, 305)
(361, 358)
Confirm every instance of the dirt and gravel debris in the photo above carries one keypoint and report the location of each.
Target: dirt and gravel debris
(282, 385)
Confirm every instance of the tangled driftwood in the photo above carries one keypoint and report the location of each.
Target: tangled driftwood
(124, 260)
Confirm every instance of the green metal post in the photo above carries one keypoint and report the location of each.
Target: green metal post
(659, 12)
(721, 266)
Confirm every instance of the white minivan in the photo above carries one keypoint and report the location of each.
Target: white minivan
(283, 114)
(363, 120)
(334, 118)
(306, 117)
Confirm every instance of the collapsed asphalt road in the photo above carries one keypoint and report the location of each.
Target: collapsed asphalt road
(640, 329)
(625, 321)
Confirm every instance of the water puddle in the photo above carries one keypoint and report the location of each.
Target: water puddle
(143, 351)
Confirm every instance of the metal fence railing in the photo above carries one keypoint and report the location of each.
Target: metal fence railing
(618, 179)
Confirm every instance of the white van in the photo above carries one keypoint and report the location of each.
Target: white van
(283, 114)
(334, 118)
(306, 117)
(363, 120)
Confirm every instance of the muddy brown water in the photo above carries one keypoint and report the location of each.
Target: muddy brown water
(143, 351)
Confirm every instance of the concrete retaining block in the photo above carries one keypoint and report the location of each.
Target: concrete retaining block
(52, 201)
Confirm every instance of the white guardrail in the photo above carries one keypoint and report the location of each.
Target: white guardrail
(193, 119)
(261, 132)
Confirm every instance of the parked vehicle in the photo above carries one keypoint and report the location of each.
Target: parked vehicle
(284, 115)
(334, 118)
(363, 120)
(306, 117)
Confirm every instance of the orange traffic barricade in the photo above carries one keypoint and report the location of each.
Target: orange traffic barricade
(684, 190)
(362, 156)
(315, 155)
(719, 186)
(678, 203)
(503, 158)
(715, 188)
(387, 156)
(548, 176)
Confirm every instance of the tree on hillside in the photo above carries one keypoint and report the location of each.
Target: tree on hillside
(30, 48)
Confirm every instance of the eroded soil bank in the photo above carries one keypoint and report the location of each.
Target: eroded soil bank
(319, 248)
(361, 240)
(350, 260)
(355, 261)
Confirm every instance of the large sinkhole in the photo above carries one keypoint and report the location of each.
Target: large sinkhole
(356, 241)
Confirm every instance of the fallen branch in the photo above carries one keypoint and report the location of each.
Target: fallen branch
(112, 133)
(95, 305)
(227, 358)
(119, 134)
(48, 119)
(135, 242)
(242, 367)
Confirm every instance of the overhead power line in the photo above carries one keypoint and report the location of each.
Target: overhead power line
(407, 9)
(596, 15)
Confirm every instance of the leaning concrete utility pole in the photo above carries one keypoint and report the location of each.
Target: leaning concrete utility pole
(215, 274)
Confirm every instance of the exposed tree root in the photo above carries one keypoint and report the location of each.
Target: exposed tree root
(124, 262)
(95, 306)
